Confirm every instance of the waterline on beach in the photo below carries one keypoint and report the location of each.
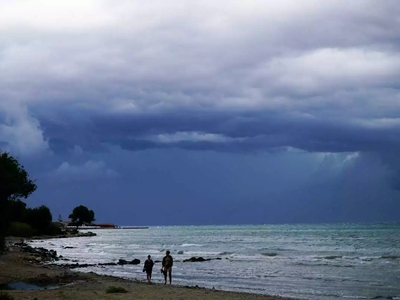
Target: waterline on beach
(300, 261)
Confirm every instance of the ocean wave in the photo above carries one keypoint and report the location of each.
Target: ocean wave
(367, 258)
(333, 257)
(226, 253)
(390, 257)
(270, 254)
(322, 265)
(191, 245)
(302, 267)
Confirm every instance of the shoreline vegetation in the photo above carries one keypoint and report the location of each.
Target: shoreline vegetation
(24, 265)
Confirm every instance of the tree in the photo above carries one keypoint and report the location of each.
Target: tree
(16, 211)
(81, 214)
(39, 218)
(14, 180)
(14, 184)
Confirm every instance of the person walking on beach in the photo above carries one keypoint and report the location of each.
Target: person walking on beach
(167, 263)
(148, 267)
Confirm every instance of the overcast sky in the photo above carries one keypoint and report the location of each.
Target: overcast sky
(205, 112)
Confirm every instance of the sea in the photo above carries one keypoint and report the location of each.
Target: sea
(341, 261)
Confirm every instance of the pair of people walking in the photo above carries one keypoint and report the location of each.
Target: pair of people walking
(166, 269)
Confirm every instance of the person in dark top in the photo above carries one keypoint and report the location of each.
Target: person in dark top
(167, 263)
(148, 267)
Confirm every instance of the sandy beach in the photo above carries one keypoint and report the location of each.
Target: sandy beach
(17, 266)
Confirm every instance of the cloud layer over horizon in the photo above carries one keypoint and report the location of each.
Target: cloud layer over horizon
(285, 94)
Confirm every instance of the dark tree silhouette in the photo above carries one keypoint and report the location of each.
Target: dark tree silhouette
(16, 211)
(14, 184)
(81, 214)
(39, 218)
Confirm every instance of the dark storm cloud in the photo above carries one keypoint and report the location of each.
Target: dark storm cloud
(226, 132)
(85, 83)
(272, 75)
(319, 77)
(206, 187)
